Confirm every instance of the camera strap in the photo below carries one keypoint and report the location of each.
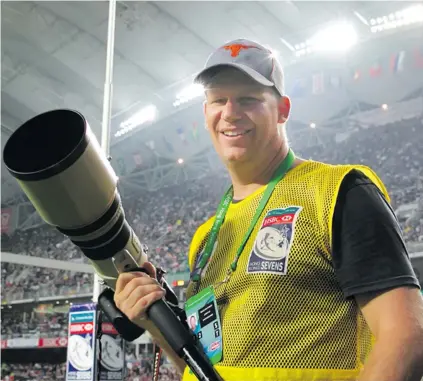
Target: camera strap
(156, 362)
(98, 340)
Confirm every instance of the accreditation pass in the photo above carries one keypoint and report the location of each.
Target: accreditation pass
(204, 321)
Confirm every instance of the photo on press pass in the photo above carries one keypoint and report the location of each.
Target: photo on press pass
(211, 191)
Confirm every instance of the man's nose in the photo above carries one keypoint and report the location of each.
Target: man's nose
(231, 111)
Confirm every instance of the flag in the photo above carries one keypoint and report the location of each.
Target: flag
(299, 89)
(418, 58)
(376, 69)
(397, 62)
(168, 145)
(181, 134)
(355, 74)
(318, 83)
(137, 159)
(195, 130)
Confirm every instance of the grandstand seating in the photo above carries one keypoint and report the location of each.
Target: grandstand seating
(166, 221)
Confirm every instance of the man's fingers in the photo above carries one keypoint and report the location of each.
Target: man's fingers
(124, 278)
(139, 293)
(148, 266)
(142, 305)
(128, 283)
(136, 291)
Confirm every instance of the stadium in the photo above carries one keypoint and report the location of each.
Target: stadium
(354, 74)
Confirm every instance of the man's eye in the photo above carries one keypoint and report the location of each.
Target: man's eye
(248, 100)
(219, 101)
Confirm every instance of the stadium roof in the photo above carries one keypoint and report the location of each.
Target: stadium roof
(53, 56)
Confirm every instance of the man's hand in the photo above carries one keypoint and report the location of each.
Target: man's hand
(136, 292)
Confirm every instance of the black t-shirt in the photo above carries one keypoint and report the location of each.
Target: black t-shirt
(368, 250)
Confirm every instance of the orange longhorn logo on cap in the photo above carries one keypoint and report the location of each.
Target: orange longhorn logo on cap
(236, 48)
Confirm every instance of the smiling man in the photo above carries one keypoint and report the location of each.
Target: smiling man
(339, 300)
(305, 260)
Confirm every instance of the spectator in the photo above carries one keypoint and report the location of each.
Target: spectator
(166, 220)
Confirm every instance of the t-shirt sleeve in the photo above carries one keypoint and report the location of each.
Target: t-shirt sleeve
(368, 249)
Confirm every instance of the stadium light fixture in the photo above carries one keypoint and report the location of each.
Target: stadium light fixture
(337, 37)
(384, 106)
(146, 115)
(287, 44)
(312, 125)
(180, 161)
(188, 94)
(361, 18)
(408, 16)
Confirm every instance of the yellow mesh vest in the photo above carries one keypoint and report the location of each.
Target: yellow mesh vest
(296, 326)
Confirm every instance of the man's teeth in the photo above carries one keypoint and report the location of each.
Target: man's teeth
(232, 133)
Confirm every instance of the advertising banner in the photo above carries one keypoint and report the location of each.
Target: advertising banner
(57, 342)
(81, 357)
(22, 342)
(111, 353)
(34, 342)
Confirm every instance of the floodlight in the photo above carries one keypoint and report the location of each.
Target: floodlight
(407, 16)
(337, 37)
(188, 94)
(147, 114)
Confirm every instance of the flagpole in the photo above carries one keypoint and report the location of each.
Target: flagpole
(107, 107)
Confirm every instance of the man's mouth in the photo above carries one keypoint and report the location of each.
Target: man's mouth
(235, 133)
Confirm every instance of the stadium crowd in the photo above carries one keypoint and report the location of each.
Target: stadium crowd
(141, 371)
(16, 324)
(166, 221)
(135, 371)
(33, 372)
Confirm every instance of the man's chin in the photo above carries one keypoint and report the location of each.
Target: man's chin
(234, 157)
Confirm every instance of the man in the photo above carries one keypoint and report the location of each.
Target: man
(193, 323)
(322, 288)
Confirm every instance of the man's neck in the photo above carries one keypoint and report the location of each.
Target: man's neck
(246, 179)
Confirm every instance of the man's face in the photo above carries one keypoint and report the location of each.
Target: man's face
(242, 117)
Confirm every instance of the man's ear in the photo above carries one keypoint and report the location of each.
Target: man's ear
(204, 107)
(284, 108)
(204, 112)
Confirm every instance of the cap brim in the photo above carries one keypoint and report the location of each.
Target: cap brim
(245, 69)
